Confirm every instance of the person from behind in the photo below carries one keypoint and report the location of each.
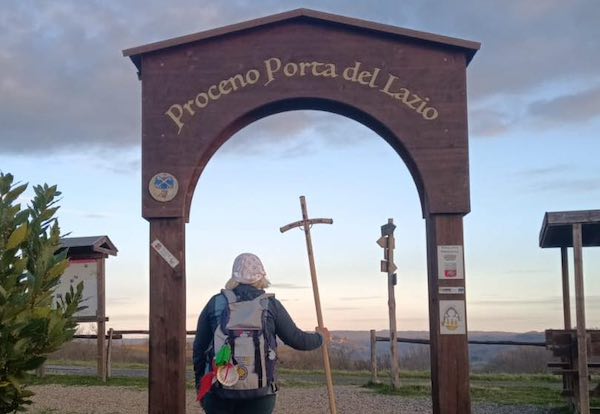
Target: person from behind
(235, 348)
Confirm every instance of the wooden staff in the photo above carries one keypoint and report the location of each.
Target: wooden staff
(306, 224)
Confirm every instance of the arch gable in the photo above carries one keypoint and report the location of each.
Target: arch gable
(415, 88)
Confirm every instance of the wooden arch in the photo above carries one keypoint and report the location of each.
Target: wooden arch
(407, 86)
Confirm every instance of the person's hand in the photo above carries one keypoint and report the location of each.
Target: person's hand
(325, 334)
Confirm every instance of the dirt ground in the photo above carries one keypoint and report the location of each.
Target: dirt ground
(59, 399)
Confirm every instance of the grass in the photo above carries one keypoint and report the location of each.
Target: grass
(540, 396)
(507, 389)
(92, 364)
(69, 380)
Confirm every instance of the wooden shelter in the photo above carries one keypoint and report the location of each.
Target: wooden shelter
(93, 249)
(409, 87)
(575, 347)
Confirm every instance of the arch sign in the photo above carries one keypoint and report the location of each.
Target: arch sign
(407, 86)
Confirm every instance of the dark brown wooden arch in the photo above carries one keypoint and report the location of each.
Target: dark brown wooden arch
(198, 90)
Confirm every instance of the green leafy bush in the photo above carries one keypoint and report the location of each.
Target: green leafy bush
(32, 325)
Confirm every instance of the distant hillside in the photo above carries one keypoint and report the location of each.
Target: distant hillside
(359, 342)
(355, 346)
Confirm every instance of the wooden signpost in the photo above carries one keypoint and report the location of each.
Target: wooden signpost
(388, 266)
(306, 224)
(198, 90)
(87, 257)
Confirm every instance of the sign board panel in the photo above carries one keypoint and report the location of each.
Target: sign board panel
(450, 262)
(452, 317)
(85, 271)
(451, 290)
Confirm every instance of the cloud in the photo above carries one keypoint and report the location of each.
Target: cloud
(296, 133)
(557, 178)
(569, 185)
(121, 167)
(65, 86)
(577, 107)
(487, 122)
(545, 171)
(343, 308)
(95, 215)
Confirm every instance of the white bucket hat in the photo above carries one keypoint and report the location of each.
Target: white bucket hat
(247, 269)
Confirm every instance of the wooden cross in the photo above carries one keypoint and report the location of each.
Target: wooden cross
(306, 224)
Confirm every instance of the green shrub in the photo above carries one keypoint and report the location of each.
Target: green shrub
(31, 324)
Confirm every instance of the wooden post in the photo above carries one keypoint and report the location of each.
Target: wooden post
(388, 266)
(306, 224)
(374, 378)
(167, 319)
(109, 354)
(567, 379)
(101, 322)
(582, 359)
(564, 260)
(449, 353)
(395, 369)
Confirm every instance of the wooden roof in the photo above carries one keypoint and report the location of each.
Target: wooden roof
(557, 228)
(469, 47)
(86, 245)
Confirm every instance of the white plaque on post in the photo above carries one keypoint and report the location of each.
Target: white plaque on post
(452, 317)
(450, 262)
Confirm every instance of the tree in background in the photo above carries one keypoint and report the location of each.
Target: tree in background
(32, 324)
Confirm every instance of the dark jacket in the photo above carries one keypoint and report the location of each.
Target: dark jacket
(278, 323)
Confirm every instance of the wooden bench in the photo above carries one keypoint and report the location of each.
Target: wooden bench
(563, 344)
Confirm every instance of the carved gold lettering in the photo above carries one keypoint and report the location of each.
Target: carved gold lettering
(358, 73)
(329, 71)
(223, 89)
(175, 112)
(388, 85)
(212, 95)
(315, 68)
(364, 77)
(411, 100)
(402, 94)
(430, 113)
(290, 69)
(272, 66)
(252, 76)
(374, 77)
(351, 72)
(422, 105)
(304, 65)
(188, 107)
(201, 100)
(414, 99)
(234, 82)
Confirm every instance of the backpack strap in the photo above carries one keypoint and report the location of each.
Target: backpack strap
(229, 295)
(257, 359)
(219, 305)
(264, 299)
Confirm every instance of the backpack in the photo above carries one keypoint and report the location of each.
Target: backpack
(242, 326)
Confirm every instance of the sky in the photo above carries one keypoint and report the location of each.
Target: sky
(70, 115)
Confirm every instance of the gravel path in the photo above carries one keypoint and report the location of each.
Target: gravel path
(350, 399)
